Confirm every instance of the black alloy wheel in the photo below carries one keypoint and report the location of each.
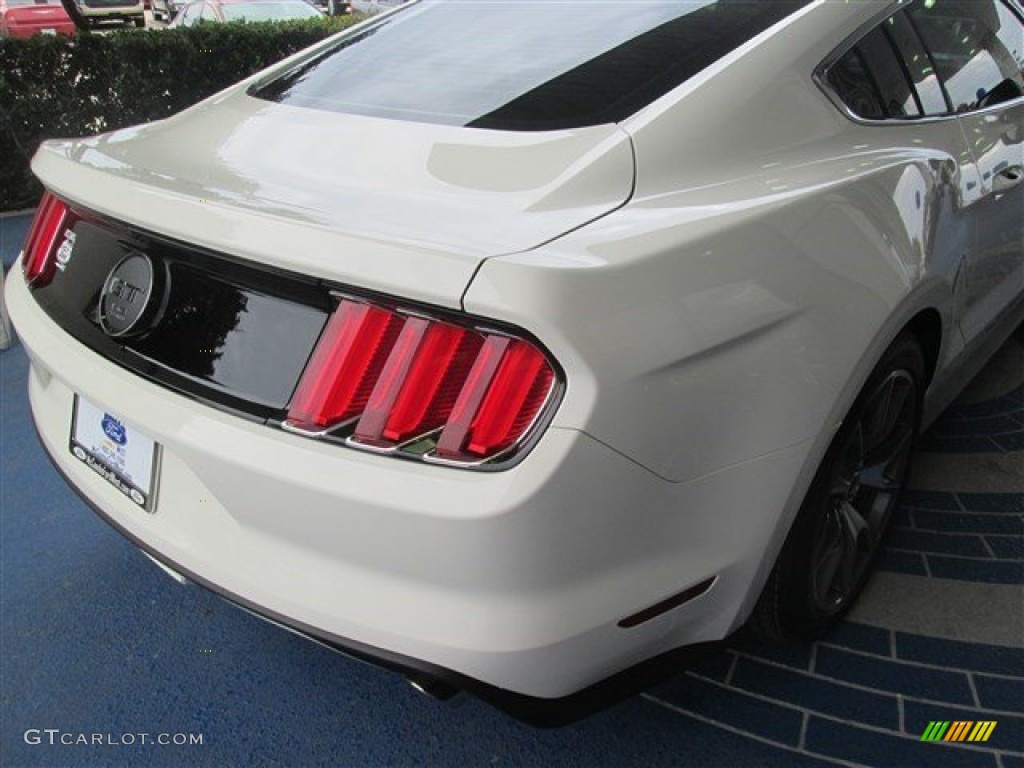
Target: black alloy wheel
(837, 533)
(866, 477)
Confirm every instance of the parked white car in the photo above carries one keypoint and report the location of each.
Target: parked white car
(549, 348)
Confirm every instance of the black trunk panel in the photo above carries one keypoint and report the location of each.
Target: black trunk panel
(221, 330)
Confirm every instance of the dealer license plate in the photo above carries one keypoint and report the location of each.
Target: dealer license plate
(117, 452)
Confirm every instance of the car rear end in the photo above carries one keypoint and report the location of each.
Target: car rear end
(24, 18)
(101, 11)
(301, 415)
(223, 442)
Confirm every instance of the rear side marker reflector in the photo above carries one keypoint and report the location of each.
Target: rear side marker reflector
(667, 605)
(405, 383)
(39, 260)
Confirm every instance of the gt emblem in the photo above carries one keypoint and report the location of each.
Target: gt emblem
(65, 250)
(131, 296)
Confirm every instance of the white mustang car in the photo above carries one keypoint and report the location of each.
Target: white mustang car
(549, 348)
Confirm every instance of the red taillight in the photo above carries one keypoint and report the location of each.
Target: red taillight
(508, 403)
(473, 393)
(345, 366)
(41, 245)
(417, 389)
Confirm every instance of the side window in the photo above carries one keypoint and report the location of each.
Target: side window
(918, 63)
(871, 80)
(977, 47)
(851, 82)
(897, 95)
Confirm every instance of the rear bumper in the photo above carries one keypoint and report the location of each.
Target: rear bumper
(103, 17)
(543, 712)
(30, 28)
(103, 13)
(513, 580)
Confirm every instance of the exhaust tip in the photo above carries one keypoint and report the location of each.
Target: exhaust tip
(435, 689)
(166, 569)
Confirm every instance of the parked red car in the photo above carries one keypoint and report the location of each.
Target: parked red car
(24, 18)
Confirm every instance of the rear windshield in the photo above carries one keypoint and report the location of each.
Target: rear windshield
(515, 65)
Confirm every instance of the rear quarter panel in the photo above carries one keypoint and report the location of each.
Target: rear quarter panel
(772, 250)
(726, 318)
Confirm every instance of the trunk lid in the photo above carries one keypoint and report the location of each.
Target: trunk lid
(403, 208)
(33, 18)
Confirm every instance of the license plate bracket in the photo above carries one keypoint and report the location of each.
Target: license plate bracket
(119, 453)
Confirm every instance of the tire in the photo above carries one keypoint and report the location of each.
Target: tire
(140, 22)
(829, 552)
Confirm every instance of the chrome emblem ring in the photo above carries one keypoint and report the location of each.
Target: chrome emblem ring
(127, 294)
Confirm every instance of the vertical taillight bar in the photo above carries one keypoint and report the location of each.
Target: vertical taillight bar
(38, 259)
(382, 400)
(419, 383)
(345, 366)
(456, 432)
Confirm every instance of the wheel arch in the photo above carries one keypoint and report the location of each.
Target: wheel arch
(926, 328)
(925, 314)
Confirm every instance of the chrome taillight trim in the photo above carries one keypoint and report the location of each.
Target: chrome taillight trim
(432, 458)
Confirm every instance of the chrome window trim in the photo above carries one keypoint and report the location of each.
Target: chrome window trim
(820, 75)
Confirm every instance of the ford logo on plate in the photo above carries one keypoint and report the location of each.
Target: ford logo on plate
(128, 293)
(114, 429)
